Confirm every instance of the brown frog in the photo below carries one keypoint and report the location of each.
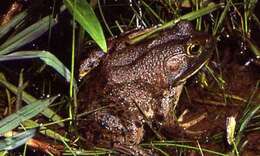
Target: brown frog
(135, 85)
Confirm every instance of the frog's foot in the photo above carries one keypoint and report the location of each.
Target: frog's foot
(133, 150)
(183, 127)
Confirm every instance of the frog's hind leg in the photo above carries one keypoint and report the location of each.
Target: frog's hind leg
(111, 126)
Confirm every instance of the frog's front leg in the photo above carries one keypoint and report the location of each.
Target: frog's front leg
(91, 62)
(177, 125)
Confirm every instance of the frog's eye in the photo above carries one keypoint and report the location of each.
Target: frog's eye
(194, 49)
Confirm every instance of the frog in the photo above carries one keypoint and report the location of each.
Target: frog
(135, 85)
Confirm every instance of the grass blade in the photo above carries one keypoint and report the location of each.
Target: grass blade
(45, 56)
(12, 121)
(17, 140)
(17, 19)
(189, 16)
(27, 35)
(255, 49)
(162, 144)
(86, 17)
(222, 18)
(45, 131)
(30, 99)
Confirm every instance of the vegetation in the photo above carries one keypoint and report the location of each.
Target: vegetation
(39, 102)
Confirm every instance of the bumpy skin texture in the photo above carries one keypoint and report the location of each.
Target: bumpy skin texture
(137, 83)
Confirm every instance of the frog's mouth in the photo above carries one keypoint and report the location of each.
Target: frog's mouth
(194, 65)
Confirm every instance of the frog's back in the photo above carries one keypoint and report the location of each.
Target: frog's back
(126, 54)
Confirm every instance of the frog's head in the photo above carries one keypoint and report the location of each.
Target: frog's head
(189, 55)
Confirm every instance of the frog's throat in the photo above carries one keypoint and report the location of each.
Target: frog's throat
(188, 74)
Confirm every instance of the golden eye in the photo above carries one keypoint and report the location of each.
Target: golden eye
(194, 49)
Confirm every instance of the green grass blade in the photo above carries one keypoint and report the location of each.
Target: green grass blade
(3, 153)
(147, 7)
(248, 116)
(250, 111)
(17, 140)
(27, 35)
(16, 20)
(255, 49)
(45, 131)
(45, 56)
(12, 121)
(222, 18)
(189, 16)
(201, 12)
(86, 17)
(30, 99)
(96, 151)
(162, 144)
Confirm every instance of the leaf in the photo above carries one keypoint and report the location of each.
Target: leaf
(30, 99)
(12, 121)
(86, 17)
(17, 140)
(7, 27)
(27, 35)
(45, 56)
